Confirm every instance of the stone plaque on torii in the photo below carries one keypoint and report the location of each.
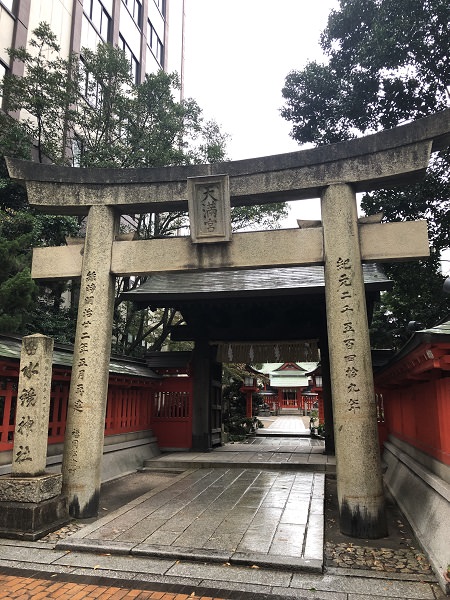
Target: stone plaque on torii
(334, 173)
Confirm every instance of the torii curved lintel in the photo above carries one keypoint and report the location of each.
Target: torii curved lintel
(392, 157)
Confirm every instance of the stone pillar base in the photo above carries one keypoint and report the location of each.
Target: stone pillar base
(31, 507)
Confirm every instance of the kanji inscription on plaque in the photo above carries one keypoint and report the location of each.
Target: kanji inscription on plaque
(209, 209)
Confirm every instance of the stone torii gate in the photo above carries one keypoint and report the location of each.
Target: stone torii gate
(334, 173)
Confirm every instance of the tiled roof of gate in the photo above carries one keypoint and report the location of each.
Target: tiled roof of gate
(246, 282)
(10, 347)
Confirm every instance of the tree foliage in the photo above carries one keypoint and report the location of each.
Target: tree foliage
(44, 94)
(26, 307)
(17, 290)
(387, 62)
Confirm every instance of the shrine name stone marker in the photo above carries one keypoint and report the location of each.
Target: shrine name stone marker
(31, 504)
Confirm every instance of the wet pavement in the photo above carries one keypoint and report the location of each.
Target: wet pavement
(239, 516)
(240, 507)
(245, 522)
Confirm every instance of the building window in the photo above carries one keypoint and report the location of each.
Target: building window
(161, 4)
(99, 17)
(135, 9)
(77, 152)
(92, 88)
(134, 63)
(8, 4)
(3, 71)
(155, 44)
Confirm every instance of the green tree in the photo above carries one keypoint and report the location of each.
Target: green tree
(17, 290)
(387, 63)
(24, 306)
(44, 95)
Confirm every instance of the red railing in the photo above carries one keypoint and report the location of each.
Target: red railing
(171, 405)
(8, 397)
(171, 415)
(419, 415)
(128, 407)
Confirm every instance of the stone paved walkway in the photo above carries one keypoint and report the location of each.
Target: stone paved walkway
(284, 425)
(239, 516)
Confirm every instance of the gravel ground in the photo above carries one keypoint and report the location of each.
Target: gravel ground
(397, 553)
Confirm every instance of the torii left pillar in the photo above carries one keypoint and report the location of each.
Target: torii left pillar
(83, 447)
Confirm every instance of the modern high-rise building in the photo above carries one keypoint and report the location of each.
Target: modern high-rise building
(139, 27)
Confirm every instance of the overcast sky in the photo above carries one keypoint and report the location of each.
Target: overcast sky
(237, 55)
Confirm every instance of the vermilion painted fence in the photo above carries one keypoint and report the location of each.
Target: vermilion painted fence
(171, 412)
(128, 408)
(58, 408)
(420, 415)
(382, 427)
(416, 394)
(8, 394)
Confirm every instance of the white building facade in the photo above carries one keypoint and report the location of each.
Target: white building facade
(139, 27)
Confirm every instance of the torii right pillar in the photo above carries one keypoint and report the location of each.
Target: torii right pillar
(358, 465)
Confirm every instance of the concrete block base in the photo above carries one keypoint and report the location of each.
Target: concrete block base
(424, 498)
(14, 488)
(32, 520)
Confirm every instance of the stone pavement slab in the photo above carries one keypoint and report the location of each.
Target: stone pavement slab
(284, 425)
(220, 515)
(224, 573)
(363, 585)
(268, 453)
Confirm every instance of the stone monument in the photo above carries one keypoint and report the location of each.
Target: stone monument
(31, 504)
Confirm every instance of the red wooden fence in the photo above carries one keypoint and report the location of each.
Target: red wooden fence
(134, 404)
(420, 415)
(128, 407)
(171, 415)
(8, 396)
(416, 394)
